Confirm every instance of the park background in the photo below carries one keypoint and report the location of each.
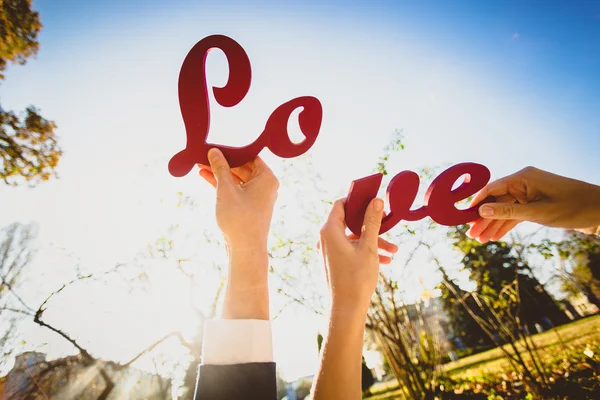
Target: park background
(404, 85)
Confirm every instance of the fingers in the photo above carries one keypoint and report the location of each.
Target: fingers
(337, 215)
(478, 227)
(384, 259)
(494, 229)
(491, 230)
(515, 185)
(371, 224)
(484, 226)
(220, 167)
(382, 244)
(208, 177)
(244, 173)
(263, 173)
(496, 188)
(207, 174)
(521, 212)
(504, 229)
(258, 165)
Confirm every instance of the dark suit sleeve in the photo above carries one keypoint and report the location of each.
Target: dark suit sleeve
(252, 381)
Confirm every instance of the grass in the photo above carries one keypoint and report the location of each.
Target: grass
(575, 333)
(565, 342)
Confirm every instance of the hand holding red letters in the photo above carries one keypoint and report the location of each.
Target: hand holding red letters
(439, 202)
(195, 109)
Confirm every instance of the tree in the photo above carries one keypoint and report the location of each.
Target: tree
(506, 303)
(16, 252)
(584, 279)
(28, 145)
(582, 274)
(494, 265)
(409, 340)
(465, 328)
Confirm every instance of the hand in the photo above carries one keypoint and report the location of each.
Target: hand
(245, 199)
(537, 196)
(352, 263)
(352, 268)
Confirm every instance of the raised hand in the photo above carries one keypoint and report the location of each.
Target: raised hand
(352, 268)
(537, 196)
(245, 198)
(352, 262)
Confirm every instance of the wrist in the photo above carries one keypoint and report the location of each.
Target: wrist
(592, 211)
(248, 244)
(247, 291)
(348, 320)
(248, 268)
(351, 310)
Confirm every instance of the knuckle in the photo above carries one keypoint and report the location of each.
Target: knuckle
(220, 169)
(529, 170)
(507, 211)
(324, 230)
(373, 220)
(274, 181)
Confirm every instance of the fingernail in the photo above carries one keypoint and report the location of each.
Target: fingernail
(486, 211)
(214, 154)
(378, 205)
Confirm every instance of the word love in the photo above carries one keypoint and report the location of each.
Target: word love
(195, 109)
(440, 198)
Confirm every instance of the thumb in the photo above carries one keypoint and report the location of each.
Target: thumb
(522, 212)
(220, 167)
(372, 223)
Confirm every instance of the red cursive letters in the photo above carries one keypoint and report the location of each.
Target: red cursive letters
(195, 109)
(439, 202)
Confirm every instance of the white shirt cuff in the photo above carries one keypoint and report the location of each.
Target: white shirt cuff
(237, 341)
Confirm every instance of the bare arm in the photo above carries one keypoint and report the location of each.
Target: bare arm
(537, 196)
(352, 268)
(245, 200)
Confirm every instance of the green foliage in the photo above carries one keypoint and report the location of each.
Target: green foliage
(583, 278)
(395, 144)
(506, 282)
(28, 146)
(581, 275)
(463, 325)
(488, 375)
(19, 27)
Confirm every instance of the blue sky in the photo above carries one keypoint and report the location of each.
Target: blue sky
(506, 84)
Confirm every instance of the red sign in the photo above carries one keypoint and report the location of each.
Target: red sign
(195, 109)
(439, 201)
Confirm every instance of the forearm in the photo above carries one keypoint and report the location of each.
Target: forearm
(592, 211)
(339, 375)
(590, 208)
(247, 292)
